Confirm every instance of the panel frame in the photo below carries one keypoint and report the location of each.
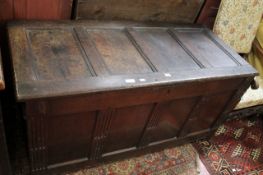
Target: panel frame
(30, 88)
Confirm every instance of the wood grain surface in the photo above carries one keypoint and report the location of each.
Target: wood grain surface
(184, 11)
(97, 91)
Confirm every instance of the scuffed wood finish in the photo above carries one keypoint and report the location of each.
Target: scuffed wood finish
(94, 91)
(93, 57)
(139, 10)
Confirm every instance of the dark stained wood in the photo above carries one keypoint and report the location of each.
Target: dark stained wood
(6, 9)
(129, 132)
(245, 112)
(74, 60)
(208, 13)
(94, 91)
(5, 168)
(35, 9)
(80, 144)
(139, 10)
(200, 117)
(172, 56)
(32, 9)
(163, 124)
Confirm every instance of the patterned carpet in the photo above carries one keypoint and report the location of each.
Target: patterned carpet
(236, 148)
(180, 160)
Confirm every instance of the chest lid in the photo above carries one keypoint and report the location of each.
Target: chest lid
(53, 59)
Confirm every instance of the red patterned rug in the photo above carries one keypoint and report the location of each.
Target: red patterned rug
(181, 160)
(236, 148)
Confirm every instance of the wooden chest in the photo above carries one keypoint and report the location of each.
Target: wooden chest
(95, 91)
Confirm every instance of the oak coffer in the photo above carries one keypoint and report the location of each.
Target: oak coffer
(93, 91)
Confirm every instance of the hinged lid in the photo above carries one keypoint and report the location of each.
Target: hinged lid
(53, 59)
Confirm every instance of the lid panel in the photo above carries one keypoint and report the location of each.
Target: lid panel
(114, 51)
(56, 54)
(62, 58)
(162, 50)
(204, 49)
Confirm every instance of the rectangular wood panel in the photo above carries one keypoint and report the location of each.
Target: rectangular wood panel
(206, 112)
(75, 133)
(54, 58)
(173, 57)
(127, 125)
(113, 48)
(139, 10)
(167, 120)
(81, 103)
(207, 51)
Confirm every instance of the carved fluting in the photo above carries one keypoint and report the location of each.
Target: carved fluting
(101, 132)
(37, 144)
